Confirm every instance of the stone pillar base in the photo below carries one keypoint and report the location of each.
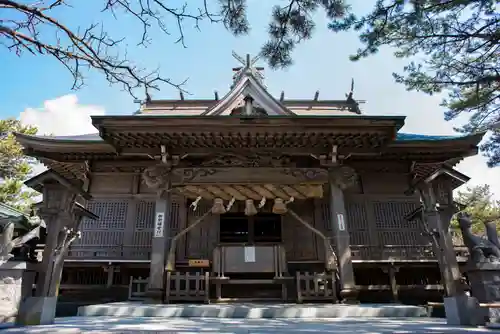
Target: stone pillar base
(463, 311)
(11, 277)
(349, 296)
(484, 281)
(37, 311)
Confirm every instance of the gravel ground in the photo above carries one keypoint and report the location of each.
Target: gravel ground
(213, 325)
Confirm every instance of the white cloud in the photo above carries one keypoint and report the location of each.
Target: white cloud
(62, 116)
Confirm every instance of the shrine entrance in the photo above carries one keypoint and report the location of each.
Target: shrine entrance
(250, 248)
(250, 230)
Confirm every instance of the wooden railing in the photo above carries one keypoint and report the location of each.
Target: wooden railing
(112, 252)
(359, 253)
(400, 252)
(185, 286)
(315, 287)
(137, 288)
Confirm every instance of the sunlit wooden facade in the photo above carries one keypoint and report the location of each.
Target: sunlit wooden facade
(348, 176)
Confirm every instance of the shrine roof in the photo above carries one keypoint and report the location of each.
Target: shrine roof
(8, 213)
(96, 138)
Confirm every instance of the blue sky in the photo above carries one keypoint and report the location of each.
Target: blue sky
(320, 64)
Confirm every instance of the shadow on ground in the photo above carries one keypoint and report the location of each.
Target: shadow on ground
(207, 325)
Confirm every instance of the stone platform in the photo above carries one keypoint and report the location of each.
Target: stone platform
(252, 310)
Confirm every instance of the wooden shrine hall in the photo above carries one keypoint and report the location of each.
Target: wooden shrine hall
(252, 197)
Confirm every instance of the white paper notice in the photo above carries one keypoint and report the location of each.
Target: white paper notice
(159, 225)
(249, 254)
(340, 219)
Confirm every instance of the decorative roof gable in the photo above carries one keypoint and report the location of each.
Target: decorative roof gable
(247, 93)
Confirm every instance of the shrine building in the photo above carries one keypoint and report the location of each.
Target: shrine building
(253, 197)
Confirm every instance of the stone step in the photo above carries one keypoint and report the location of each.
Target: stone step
(251, 310)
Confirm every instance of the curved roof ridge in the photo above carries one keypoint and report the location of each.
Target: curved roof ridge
(404, 136)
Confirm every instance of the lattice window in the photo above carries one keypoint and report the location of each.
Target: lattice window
(174, 216)
(392, 227)
(144, 215)
(359, 237)
(356, 216)
(200, 240)
(390, 215)
(325, 215)
(102, 238)
(108, 229)
(112, 215)
(401, 237)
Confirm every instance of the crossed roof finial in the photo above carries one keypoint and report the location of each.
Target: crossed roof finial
(248, 66)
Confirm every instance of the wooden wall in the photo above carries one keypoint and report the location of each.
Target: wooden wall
(375, 210)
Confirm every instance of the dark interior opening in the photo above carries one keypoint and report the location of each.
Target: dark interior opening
(263, 227)
(233, 228)
(267, 227)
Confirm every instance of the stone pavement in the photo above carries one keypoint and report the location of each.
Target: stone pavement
(213, 325)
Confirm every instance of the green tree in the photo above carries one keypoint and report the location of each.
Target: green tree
(14, 166)
(453, 47)
(479, 202)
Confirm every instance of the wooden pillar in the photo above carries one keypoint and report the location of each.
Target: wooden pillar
(447, 259)
(159, 248)
(338, 221)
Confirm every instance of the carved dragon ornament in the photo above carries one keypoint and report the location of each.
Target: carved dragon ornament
(157, 176)
(343, 176)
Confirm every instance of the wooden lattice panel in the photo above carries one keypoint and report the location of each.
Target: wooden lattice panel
(144, 219)
(300, 242)
(112, 215)
(201, 240)
(325, 215)
(390, 214)
(101, 238)
(107, 231)
(356, 216)
(144, 215)
(392, 227)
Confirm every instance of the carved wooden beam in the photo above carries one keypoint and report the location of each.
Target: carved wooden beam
(236, 175)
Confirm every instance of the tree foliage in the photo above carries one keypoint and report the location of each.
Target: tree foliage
(452, 45)
(14, 166)
(479, 202)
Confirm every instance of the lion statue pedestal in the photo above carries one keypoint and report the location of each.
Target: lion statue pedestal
(484, 279)
(11, 289)
(483, 267)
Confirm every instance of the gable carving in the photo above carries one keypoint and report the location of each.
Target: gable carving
(256, 160)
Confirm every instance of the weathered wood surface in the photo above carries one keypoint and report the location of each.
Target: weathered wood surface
(315, 287)
(377, 229)
(239, 175)
(185, 286)
(137, 288)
